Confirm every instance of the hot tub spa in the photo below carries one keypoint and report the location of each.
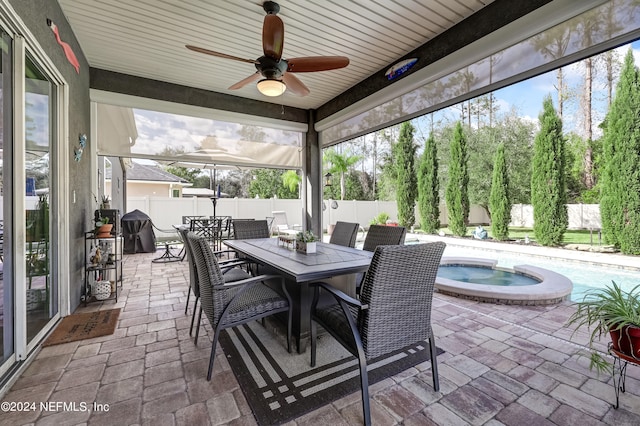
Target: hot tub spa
(482, 280)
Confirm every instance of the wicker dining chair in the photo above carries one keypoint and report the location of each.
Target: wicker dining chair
(381, 235)
(227, 305)
(396, 296)
(231, 273)
(344, 234)
(249, 229)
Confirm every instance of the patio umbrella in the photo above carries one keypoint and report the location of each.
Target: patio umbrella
(215, 150)
(213, 169)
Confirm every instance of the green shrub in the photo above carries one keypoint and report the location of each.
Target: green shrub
(499, 203)
(456, 192)
(428, 188)
(381, 219)
(405, 153)
(548, 185)
(620, 195)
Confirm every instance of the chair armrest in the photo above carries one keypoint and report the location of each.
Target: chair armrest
(246, 281)
(219, 252)
(224, 262)
(226, 266)
(339, 295)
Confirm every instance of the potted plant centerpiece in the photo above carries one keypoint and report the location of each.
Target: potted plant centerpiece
(306, 242)
(616, 312)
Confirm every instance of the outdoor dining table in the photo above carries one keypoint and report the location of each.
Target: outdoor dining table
(329, 262)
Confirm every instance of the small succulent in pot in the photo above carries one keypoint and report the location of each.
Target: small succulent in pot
(103, 220)
(106, 202)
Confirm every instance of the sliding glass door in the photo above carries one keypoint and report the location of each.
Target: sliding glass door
(41, 290)
(7, 312)
(29, 156)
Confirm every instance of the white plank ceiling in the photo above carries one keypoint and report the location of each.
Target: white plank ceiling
(146, 38)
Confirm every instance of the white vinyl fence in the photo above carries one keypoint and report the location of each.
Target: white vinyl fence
(165, 212)
(581, 216)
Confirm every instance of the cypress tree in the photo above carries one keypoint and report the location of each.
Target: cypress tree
(428, 188)
(499, 203)
(548, 186)
(406, 181)
(620, 195)
(456, 193)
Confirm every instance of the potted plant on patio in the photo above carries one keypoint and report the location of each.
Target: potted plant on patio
(106, 202)
(306, 242)
(614, 311)
(103, 228)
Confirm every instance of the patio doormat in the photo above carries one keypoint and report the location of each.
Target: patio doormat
(84, 326)
(281, 386)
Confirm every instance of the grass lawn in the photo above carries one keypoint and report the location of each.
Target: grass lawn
(570, 236)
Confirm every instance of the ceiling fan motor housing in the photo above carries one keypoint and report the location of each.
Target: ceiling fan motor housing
(270, 68)
(271, 7)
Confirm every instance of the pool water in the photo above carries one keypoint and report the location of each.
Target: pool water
(483, 275)
(584, 276)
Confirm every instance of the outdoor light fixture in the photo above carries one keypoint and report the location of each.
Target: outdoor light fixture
(327, 179)
(271, 87)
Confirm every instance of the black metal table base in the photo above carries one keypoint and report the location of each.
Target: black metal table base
(168, 255)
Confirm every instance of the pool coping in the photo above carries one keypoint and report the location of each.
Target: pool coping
(553, 287)
(611, 260)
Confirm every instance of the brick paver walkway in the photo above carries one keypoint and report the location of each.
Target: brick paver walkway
(508, 365)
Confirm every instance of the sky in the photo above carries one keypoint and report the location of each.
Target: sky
(527, 95)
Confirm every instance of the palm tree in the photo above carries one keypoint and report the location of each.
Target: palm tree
(291, 179)
(340, 163)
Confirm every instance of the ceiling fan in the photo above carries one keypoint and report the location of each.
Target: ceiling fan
(276, 72)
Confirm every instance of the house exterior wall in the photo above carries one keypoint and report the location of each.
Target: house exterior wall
(144, 189)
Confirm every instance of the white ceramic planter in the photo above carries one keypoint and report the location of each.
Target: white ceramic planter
(306, 248)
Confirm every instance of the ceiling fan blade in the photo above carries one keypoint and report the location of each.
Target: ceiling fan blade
(218, 54)
(317, 63)
(253, 77)
(295, 85)
(273, 37)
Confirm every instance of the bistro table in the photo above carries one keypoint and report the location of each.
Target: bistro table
(211, 228)
(300, 269)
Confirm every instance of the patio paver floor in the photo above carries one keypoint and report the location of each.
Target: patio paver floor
(502, 364)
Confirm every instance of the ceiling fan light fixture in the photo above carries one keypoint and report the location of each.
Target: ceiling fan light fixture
(271, 87)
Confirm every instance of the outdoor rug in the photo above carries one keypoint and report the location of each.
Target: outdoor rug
(281, 386)
(84, 326)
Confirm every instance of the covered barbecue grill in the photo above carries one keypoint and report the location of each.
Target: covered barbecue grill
(137, 231)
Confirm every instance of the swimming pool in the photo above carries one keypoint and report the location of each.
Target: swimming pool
(541, 286)
(583, 275)
(484, 275)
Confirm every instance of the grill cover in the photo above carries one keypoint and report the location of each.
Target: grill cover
(137, 231)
